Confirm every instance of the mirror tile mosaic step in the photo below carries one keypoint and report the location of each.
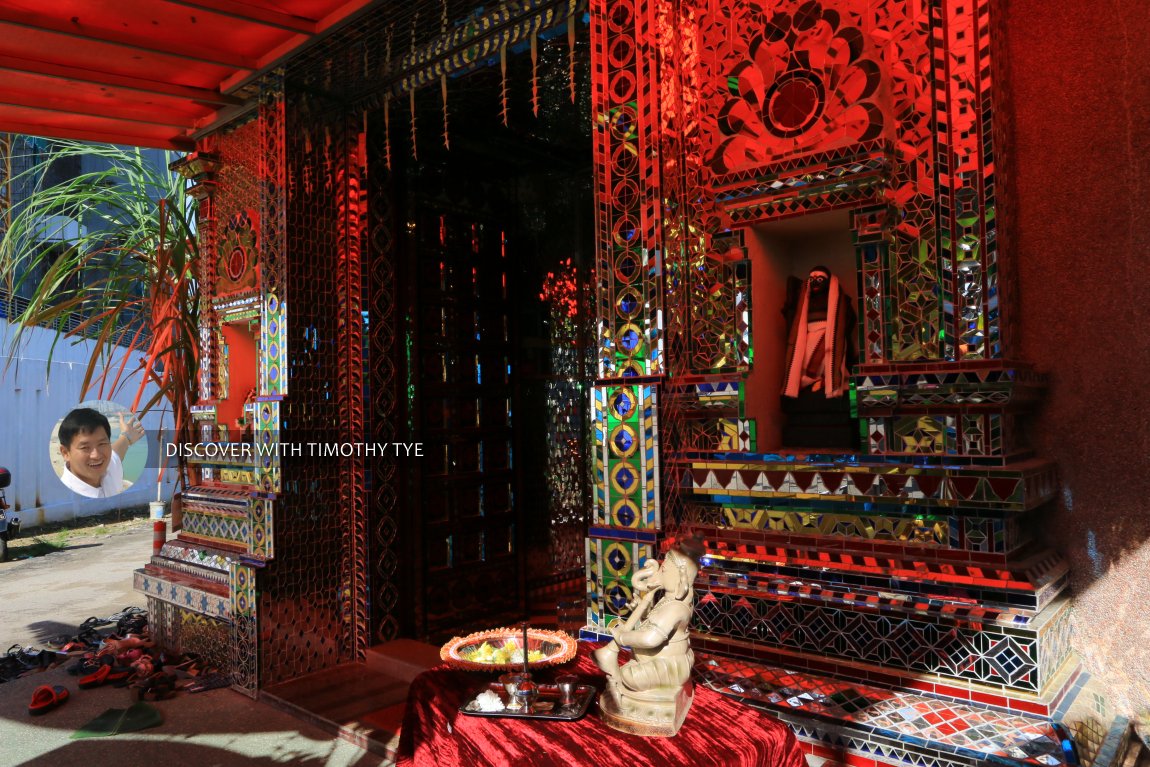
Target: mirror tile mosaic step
(1026, 585)
(850, 722)
(1022, 659)
(846, 481)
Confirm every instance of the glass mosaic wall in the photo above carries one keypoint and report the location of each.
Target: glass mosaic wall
(909, 557)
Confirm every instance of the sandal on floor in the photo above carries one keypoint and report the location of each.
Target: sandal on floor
(158, 686)
(210, 682)
(45, 698)
(107, 674)
(130, 620)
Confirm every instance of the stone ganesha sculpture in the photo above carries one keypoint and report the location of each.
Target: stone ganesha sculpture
(651, 693)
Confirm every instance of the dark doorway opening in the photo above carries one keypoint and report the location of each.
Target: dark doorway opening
(487, 226)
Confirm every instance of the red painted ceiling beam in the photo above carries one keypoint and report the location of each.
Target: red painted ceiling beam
(201, 95)
(108, 111)
(278, 55)
(178, 143)
(76, 29)
(262, 16)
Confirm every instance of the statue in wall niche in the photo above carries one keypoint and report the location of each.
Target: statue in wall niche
(816, 378)
(651, 693)
(821, 318)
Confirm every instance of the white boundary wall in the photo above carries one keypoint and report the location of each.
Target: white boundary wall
(32, 400)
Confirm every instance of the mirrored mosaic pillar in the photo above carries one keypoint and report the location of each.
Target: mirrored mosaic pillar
(628, 283)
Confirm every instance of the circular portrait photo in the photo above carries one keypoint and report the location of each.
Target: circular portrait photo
(98, 449)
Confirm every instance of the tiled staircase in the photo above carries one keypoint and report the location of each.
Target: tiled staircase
(864, 725)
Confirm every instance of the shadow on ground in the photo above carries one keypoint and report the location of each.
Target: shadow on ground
(218, 727)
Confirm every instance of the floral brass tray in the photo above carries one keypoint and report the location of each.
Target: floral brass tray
(547, 706)
(501, 649)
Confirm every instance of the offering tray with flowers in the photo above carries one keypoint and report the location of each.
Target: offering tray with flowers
(501, 649)
(550, 702)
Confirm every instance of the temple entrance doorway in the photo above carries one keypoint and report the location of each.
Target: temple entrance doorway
(783, 254)
(494, 247)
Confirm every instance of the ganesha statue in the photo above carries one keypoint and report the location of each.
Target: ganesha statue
(651, 693)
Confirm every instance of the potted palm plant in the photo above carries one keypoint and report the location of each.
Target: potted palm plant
(125, 279)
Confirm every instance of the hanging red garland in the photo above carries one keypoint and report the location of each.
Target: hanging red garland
(534, 73)
(503, 69)
(571, 55)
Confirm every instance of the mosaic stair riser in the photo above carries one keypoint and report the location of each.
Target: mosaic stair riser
(181, 551)
(756, 576)
(852, 722)
(968, 490)
(160, 564)
(196, 596)
(998, 603)
(945, 431)
(895, 606)
(988, 536)
(874, 571)
(1043, 704)
(869, 530)
(870, 749)
(1012, 659)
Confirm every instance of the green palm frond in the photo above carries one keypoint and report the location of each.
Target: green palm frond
(127, 282)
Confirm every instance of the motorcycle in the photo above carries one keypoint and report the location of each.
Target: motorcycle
(9, 522)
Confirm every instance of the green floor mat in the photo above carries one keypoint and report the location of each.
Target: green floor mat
(138, 716)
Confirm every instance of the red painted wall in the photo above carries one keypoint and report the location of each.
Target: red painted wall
(1079, 89)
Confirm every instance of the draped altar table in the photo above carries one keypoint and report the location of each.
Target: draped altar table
(718, 730)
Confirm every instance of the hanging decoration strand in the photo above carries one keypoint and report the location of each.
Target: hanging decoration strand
(503, 90)
(411, 103)
(571, 55)
(535, 72)
(411, 93)
(443, 77)
(387, 133)
(443, 92)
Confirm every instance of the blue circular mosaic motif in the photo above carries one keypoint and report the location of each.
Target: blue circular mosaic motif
(625, 514)
(623, 441)
(626, 478)
(629, 340)
(623, 404)
(619, 597)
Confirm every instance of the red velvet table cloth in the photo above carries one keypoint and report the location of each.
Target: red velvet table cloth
(718, 730)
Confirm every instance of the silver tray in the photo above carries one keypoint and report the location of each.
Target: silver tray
(546, 705)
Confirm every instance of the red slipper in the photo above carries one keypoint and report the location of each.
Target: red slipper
(96, 678)
(45, 698)
(106, 674)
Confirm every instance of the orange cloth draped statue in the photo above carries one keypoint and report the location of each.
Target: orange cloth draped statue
(822, 320)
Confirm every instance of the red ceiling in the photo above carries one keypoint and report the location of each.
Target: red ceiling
(144, 72)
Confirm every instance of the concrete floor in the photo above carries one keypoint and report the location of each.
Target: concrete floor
(218, 728)
(52, 595)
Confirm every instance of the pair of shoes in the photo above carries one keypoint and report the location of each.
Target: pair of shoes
(127, 612)
(189, 665)
(106, 674)
(89, 663)
(212, 681)
(45, 698)
(158, 686)
(31, 658)
(130, 620)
